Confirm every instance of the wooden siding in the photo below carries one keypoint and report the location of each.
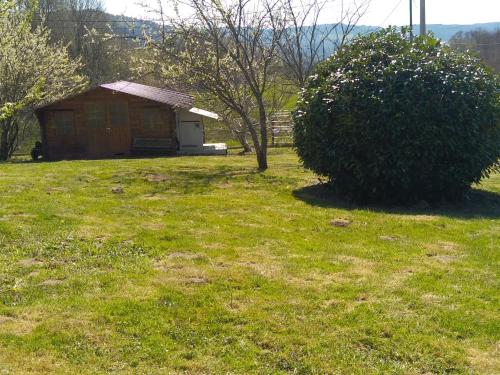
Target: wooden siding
(88, 140)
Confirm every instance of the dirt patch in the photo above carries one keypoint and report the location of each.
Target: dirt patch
(187, 256)
(443, 246)
(449, 246)
(92, 232)
(153, 226)
(215, 246)
(398, 278)
(17, 215)
(445, 259)
(16, 326)
(181, 274)
(419, 217)
(196, 280)
(342, 223)
(330, 303)
(432, 298)
(443, 252)
(156, 177)
(51, 282)
(153, 197)
(361, 299)
(117, 190)
(161, 267)
(357, 264)
(29, 262)
(486, 362)
(167, 267)
(59, 189)
(177, 261)
(268, 270)
(4, 319)
(272, 268)
(388, 238)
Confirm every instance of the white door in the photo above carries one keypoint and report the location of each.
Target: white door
(191, 134)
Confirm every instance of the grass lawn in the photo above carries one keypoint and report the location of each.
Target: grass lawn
(203, 265)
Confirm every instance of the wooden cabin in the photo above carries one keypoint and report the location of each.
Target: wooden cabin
(121, 119)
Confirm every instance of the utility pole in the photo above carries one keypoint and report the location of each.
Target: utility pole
(411, 20)
(423, 27)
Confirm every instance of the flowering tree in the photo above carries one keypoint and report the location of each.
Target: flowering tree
(31, 72)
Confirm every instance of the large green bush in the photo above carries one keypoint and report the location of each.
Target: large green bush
(386, 119)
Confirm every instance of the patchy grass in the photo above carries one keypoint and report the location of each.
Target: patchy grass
(204, 265)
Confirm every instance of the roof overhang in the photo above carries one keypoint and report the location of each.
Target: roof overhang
(204, 113)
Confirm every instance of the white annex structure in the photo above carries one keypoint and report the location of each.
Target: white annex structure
(191, 133)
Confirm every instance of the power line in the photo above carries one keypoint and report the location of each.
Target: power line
(100, 21)
(391, 13)
(132, 20)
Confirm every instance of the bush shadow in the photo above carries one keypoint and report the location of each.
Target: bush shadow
(478, 204)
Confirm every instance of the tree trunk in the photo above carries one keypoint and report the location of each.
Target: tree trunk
(4, 144)
(9, 131)
(262, 159)
(242, 138)
(262, 152)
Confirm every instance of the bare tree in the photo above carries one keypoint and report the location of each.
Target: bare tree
(228, 51)
(485, 43)
(305, 41)
(85, 28)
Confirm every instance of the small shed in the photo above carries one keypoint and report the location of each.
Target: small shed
(121, 119)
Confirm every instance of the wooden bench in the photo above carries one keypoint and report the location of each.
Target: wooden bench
(152, 144)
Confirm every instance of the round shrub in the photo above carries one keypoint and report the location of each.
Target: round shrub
(389, 120)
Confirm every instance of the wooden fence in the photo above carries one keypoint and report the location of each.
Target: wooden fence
(281, 129)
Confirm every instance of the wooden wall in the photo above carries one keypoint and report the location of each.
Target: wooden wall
(114, 137)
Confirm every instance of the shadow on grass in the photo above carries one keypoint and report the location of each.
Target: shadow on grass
(479, 203)
(193, 179)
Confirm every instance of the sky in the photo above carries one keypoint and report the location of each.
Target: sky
(379, 13)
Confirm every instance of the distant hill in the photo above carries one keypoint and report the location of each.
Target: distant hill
(132, 27)
(445, 32)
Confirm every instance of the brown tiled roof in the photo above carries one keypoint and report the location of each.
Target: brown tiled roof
(170, 97)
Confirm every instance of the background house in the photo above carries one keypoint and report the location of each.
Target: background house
(124, 118)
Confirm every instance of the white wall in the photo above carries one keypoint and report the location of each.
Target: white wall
(189, 135)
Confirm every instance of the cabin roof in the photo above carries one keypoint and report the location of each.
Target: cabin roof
(170, 97)
(166, 96)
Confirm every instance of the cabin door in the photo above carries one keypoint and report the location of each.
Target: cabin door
(107, 129)
(119, 127)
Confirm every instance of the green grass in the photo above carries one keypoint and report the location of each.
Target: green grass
(204, 265)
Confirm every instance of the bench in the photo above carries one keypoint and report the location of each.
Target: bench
(152, 144)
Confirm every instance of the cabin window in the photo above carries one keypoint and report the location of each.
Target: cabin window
(63, 122)
(95, 115)
(152, 118)
(118, 113)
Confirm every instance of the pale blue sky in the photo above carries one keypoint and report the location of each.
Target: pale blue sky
(379, 12)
